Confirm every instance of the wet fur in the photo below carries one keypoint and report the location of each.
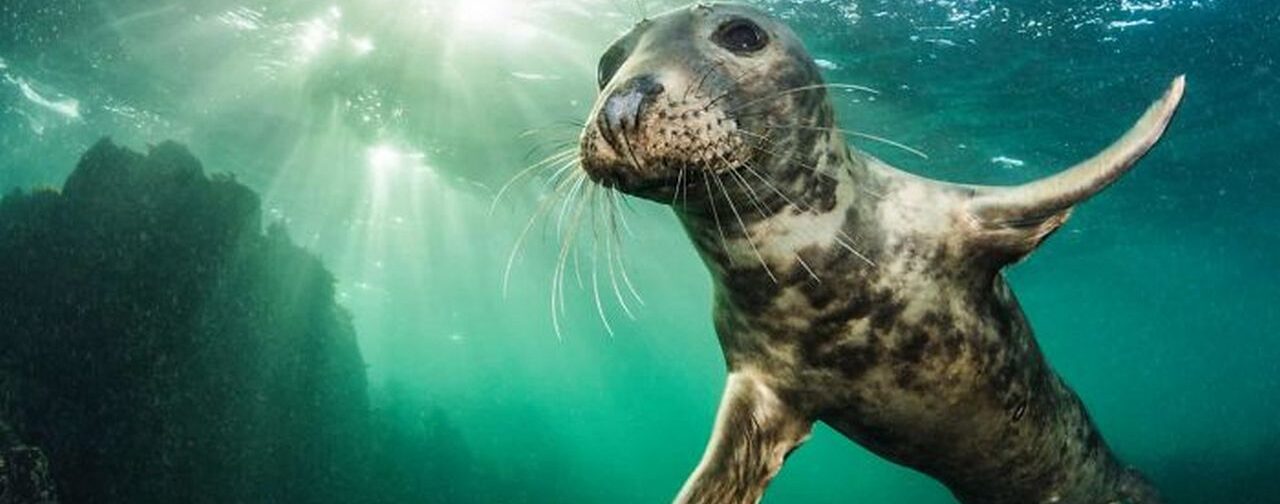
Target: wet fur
(847, 291)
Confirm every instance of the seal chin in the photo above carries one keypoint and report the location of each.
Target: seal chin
(661, 181)
(627, 179)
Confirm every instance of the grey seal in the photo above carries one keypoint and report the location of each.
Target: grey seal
(848, 291)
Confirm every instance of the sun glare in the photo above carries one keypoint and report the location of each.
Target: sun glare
(314, 37)
(383, 157)
(490, 17)
(480, 14)
(362, 45)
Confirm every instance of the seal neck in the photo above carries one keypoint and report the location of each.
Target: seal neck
(766, 219)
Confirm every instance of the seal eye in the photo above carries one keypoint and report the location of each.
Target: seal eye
(741, 36)
(609, 64)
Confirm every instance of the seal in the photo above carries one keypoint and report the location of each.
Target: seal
(848, 291)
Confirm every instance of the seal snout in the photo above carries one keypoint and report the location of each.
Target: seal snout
(620, 115)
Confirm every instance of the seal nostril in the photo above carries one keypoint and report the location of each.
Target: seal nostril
(647, 85)
(623, 108)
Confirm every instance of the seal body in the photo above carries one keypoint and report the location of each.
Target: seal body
(848, 291)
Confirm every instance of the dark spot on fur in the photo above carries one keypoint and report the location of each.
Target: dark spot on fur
(750, 289)
(912, 349)
(853, 362)
(885, 314)
(906, 378)
(821, 295)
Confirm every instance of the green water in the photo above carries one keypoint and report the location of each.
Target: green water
(379, 132)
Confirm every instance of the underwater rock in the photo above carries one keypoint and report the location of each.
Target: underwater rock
(24, 477)
(24, 472)
(159, 346)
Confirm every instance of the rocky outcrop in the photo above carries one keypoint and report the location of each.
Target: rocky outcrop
(158, 346)
(24, 472)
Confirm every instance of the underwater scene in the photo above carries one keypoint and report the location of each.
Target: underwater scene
(586, 251)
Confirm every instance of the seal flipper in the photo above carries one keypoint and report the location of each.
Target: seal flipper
(1014, 220)
(754, 432)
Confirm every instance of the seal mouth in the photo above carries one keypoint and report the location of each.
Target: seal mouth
(615, 138)
(685, 182)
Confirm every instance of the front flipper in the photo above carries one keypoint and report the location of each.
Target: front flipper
(1012, 221)
(754, 433)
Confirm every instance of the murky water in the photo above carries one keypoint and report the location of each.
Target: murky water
(378, 132)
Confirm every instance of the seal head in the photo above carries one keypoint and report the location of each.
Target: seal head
(696, 90)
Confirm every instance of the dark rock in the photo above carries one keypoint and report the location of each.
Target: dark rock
(24, 472)
(159, 347)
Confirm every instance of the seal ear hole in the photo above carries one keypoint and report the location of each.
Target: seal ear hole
(741, 36)
(609, 64)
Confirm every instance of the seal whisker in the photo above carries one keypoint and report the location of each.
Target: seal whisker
(695, 89)
(568, 201)
(745, 232)
(679, 185)
(595, 288)
(631, 152)
(859, 134)
(566, 166)
(759, 207)
(561, 124)
(557, 147)
(557, 278)
(543, 209)
(565, 171)
(613, 249)
(846, 242)
(752, 196)
(715, 214)
(622, 216)
(799, 89)
(570, 240)
(759, 204)
(595, 261)
(577, 267)
(806, 267)
(711, 67)
(552, 148)
(546, 162)
(750, 169)
(684, 191)
(737, 80)
(622, 265)
(814, 169)
(603, 215)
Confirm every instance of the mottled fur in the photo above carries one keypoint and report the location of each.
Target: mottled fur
(848, 291)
